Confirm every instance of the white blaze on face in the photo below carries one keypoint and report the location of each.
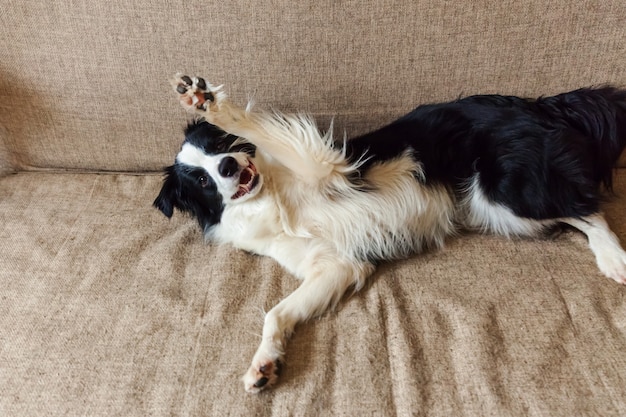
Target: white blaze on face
(243, 183)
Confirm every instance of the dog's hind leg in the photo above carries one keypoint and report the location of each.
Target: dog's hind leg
(321, 289)
(610, 256)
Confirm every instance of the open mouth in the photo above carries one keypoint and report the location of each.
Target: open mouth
(248, 179)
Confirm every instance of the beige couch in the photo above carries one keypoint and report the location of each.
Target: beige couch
(109, 309)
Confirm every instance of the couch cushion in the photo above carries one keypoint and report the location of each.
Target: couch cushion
(109, 309)
(87, 88)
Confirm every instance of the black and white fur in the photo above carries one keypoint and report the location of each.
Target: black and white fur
(328, 211)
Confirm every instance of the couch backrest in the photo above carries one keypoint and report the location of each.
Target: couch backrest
(84, 85)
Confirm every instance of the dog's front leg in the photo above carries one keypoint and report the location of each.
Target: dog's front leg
(294, 141)
(319, 291)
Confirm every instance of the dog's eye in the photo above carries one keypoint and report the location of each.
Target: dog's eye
(203, 180)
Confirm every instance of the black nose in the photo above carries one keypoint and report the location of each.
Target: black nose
(228, 167)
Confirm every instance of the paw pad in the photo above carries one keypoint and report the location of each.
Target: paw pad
(193, 92)
(262, 377)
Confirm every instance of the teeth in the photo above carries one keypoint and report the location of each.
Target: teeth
(251, 176)
(245, 188)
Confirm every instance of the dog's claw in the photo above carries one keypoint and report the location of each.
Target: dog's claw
(187, 80)
(201, 84)
(181, 89)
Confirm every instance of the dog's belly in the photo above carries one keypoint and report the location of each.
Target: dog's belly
(389, 223)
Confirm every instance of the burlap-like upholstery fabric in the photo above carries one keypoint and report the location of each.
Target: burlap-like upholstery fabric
(86, 87)
(109, 309)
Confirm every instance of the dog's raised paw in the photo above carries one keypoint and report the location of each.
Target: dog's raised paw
(262, 376)
(195, 93)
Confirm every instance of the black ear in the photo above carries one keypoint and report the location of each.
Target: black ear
(168, 197)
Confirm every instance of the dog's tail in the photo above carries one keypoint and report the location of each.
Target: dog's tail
(599, 114)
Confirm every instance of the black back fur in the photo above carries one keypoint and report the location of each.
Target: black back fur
(543, 158)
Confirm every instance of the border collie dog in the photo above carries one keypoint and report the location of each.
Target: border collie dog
(329, 211)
